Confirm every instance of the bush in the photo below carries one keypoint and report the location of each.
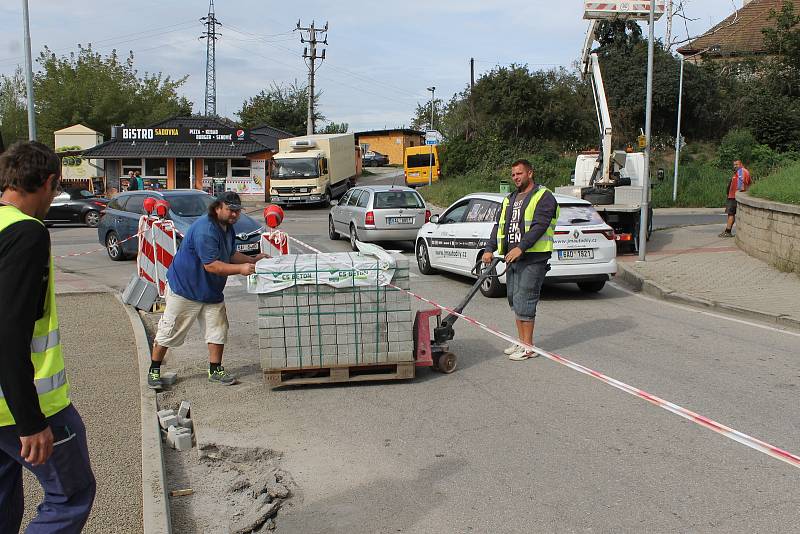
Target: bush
(737, 144)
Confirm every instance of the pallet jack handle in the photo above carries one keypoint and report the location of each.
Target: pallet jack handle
(444, 331)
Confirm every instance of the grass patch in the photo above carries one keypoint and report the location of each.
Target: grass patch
(700, 185)
(366, 172)
(780, 186)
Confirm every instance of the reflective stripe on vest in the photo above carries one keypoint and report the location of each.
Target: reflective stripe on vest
(49, 375)
(46, 385)
(545, 242)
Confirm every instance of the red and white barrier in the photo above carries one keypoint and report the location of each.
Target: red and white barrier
(157, 247)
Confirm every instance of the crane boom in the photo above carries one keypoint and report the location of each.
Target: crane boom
(591, 68)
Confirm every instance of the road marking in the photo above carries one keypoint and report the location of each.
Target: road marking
(703, 312)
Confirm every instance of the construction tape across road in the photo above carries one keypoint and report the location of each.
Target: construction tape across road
(735, 435)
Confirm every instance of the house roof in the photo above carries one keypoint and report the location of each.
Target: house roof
(268, 135)
(197, 121)
(114, 149)
(404, 131)
(737, 35)
(76, 129)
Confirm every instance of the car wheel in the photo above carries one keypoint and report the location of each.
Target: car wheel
(113, 247)
(332, 233)
(423, 260)
(353, 237)
(92, 218)
(326, 200)
(492, 288)
(591, 287)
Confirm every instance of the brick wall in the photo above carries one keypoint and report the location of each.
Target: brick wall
(769, 231)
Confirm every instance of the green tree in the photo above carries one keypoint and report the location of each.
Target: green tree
(422, 115)
(333, 127)
(13, 109)
(783, 43)
(281, 106)
(100, 91)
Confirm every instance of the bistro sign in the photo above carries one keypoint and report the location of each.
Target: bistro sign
(184, 135)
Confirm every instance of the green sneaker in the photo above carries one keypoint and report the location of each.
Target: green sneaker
(154, 379)
(221, 376)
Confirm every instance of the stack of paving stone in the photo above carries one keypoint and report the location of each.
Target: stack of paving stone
(317, 325)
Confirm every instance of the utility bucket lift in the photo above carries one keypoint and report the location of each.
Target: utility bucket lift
(626, 9)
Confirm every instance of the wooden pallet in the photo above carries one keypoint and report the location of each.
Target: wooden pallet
(339, 373)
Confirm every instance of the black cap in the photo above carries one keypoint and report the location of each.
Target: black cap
(231, 199)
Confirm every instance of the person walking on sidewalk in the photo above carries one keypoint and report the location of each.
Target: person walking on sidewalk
(132, 184)
(137, 176)
(39, 428)
(196, 280)
(524, 233)
(740, 181)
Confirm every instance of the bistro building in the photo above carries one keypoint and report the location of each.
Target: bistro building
(202, 153)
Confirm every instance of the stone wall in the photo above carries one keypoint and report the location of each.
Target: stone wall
(769, 231)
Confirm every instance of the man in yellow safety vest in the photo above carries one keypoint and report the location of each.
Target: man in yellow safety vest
(524, 236)
(39, 428)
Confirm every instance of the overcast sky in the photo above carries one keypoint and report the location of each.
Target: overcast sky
(381, 56)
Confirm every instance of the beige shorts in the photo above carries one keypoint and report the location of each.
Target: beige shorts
(179, 316)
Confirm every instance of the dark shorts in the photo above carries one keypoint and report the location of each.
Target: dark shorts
(524, 285)
(730, 206)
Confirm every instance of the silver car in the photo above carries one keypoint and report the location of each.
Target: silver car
(378, 213)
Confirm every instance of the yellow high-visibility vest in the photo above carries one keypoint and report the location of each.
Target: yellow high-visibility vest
(49, 374)
(544, 243)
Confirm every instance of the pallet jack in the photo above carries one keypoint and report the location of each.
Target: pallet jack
(436, 352)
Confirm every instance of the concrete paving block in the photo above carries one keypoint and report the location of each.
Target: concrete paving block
(186, 422)
(184, 409)
(168, 421)
(169, 378)
(165, 413)
(183, 441)
(290, 321)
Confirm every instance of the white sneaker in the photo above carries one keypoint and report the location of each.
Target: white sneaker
(522, 354)
(511, 349)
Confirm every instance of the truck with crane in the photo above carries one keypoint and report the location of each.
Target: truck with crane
(612, 180)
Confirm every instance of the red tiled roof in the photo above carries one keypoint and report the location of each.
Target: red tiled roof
(739, 34)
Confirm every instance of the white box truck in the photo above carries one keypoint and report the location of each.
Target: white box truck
(313, 169)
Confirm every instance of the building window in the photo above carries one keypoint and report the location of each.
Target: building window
(215, 168)
(155, 167)
(131, 164)
(240, 168)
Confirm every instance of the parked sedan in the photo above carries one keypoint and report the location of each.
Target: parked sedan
(120, 220)
(584, 252)
(76, 206)
(374, 159)
(378, 213)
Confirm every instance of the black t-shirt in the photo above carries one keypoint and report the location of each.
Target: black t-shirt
(24, 272)
(516, 223)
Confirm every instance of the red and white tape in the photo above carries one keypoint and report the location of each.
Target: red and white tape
(75, 254)
(728, 432)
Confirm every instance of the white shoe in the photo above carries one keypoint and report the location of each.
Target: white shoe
(522, 354)
(511, 349)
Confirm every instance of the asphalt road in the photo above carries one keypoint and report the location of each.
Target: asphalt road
(532, 446)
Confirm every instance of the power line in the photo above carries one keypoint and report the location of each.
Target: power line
(211, 36)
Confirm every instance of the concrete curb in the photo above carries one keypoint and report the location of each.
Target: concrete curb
(155, 504)
(654, 289)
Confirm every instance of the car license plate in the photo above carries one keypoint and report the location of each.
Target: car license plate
(400, 220)
(247, 247)
(292, 199)
(577, 254)
(413, 174)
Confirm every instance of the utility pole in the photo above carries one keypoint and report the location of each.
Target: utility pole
(211, 36)
(310, 53)
(29, 73)
(647, 127)
(430, 146)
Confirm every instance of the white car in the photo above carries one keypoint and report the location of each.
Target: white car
(585, 251)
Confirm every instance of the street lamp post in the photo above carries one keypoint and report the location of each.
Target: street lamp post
(29, 73)
(647, 126)
(678, 137)
(430, 147)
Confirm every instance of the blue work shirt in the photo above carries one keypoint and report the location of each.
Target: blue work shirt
(204, 243)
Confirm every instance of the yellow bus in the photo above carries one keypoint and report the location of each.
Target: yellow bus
(418, 161)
